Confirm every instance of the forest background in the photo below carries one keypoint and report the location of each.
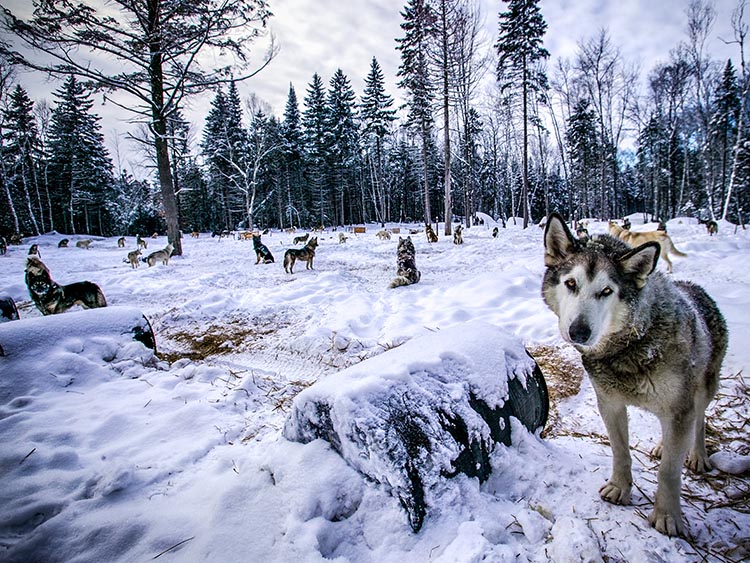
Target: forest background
(470, 122)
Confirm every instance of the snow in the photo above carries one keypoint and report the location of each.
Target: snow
(112, 453)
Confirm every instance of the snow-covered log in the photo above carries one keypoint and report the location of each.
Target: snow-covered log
(34, 335)
(429, 409)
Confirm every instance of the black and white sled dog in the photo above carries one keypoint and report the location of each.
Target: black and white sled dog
(159, 256)
(261, 251)
(51, 298)
(407, 273)
(645, 341)
(306, 254)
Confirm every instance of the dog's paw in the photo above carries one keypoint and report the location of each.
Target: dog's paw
(698, 462)
(656, 451)
(614, 493)
(667, 523)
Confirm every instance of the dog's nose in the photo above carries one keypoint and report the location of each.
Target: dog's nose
(579, 331)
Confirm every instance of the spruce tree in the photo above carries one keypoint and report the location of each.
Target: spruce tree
(583, 149)
(416, 79)
(519, 48)
(377, 115)
(723, 127)
(20, 142)
(80, 171)
(343, 148)
(293, 204)
(316, 135)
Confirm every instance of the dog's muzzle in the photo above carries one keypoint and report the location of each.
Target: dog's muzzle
(579, 331)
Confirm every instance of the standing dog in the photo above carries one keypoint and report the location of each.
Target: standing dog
(3, 245)
(638, 238)
(306, 254)
(134, 258)
(84, 243)
(52, 298)
(121, 242)
(407, 273)
(644, 341)
(301, 238)
(141, 243)
(261, 251)
(160, 256)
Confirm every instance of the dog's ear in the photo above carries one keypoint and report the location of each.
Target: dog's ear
(641, 261)
(558, 241)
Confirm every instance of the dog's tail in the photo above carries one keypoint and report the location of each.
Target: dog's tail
(671, 248)
(398, 281)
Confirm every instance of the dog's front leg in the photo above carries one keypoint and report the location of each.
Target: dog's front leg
(615, 416)
(666, 516)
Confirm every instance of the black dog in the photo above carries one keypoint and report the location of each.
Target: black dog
(261, 251)
(8, 310)
(52, 298)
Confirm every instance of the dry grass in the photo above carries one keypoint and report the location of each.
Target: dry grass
(563, 373)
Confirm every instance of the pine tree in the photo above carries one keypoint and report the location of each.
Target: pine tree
(417, 81)
(377, 116)
(723, 126)
(341, 104)
(20, 143)
(317, 139)
(519, 48)
(80, 171)
(582, 144)
(293, 204)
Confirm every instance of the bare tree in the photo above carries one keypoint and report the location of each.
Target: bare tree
(147, 49)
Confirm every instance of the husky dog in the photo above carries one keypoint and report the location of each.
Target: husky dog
(121, 242)
(134, 258)
(84, 243)
(636, 239)
(342, 238)
(645, 341)
(407, 273)
(141, 243)
(712, 227)
(306, 254)
(195, 234)
(63, 243)
(495, 232)
(34, 249)
(383, 235)
(458, 237)
(159, 256)
(8, 311)
(431, 236)
(52, 298)
(3, 245)
(261, 251)
(300, 239)
(581, 231)
(626, 224)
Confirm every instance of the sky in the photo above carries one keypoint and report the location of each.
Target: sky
(324, 35)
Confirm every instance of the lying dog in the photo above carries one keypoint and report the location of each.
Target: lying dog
(306, 254)
(52, 298)
(638, 238)
(644, 341)
(84, 243)
(261, 251)
(63, 243)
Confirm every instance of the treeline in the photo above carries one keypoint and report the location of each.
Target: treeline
(488, 124)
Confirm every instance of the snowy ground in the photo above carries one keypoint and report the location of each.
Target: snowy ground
(111, 454)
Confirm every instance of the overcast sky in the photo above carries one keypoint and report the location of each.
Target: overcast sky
(323, 35)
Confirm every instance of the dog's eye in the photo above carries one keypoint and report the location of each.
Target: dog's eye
(570, 284)
(606, 292)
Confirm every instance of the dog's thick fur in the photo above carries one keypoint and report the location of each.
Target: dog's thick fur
(306, 254)
(407, 273)
(134, 258)
(159, 256)
(431, 236)
(84, 243)
(458, 237)
(638, 238)
(644, 341)
(121, 242)
(261, 251)
(301, 238)
(140, 242)
(52, 298)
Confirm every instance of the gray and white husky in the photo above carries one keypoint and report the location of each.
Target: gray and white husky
(407, 273)
(159, 256)
(645, 341)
